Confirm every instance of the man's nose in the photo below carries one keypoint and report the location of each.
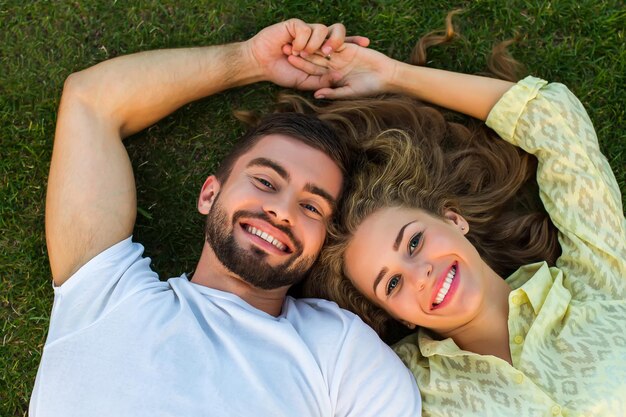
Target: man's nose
(280, 209)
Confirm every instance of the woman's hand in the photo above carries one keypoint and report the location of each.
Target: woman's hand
(350, 71)
(355, 71)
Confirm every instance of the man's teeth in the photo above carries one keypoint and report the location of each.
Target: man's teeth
(271, 239)
(447, 283)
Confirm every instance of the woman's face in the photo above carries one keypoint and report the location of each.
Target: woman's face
(421, 269)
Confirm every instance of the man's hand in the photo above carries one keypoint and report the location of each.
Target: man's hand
(301, 40)
(351, 71)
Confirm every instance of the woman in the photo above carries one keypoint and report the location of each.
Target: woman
(417, 244)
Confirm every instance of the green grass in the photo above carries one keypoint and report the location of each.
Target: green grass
(580, 43)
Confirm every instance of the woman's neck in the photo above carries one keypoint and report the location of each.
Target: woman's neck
(488, 332)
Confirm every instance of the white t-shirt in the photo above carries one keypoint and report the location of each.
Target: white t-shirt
(123, 343)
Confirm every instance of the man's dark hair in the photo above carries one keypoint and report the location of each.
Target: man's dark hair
(305, 128)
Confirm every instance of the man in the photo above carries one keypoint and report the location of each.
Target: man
(228, 343)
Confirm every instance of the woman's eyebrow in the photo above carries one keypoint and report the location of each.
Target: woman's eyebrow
(380, 276)
(400, 236)
(396, 244)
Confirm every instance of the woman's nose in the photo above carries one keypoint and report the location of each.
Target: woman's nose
(420, 274)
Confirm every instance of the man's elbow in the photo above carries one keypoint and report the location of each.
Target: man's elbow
(84, 95)
(78, 87)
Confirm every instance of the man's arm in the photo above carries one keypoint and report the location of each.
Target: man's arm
(91, 201)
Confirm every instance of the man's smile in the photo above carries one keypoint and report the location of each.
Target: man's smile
(267, 237)
(264, 235)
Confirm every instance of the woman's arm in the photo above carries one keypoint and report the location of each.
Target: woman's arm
(576, 184)
(468, 94)
(355, 71)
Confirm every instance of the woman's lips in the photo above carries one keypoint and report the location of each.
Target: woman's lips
(445, 288)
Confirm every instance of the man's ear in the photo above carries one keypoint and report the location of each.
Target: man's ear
(210, 189)
(456, 219)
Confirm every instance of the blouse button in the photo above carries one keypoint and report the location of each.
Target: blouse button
(519, 378)
(518, 339)
(556, 410)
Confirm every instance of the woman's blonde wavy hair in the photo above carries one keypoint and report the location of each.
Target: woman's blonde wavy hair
(414, 155)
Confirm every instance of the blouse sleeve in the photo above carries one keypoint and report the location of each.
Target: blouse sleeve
(577, 186)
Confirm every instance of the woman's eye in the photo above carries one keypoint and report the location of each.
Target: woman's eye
(392, 284)
(264, 182)
(414, 242)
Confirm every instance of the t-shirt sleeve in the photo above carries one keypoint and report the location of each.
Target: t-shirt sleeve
(98, 287)
(577, 186)
(371, 380)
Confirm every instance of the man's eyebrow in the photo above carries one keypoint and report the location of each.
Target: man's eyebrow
(265, 162)
(280, 170)
(314, 189)
(380, 276)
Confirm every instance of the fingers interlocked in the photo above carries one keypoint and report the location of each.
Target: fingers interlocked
(311, 38)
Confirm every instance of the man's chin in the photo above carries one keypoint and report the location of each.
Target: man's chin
(251, 263)
(264, 275)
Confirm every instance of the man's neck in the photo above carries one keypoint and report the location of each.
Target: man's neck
(211, 273)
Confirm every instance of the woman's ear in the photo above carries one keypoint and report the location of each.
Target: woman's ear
(456, 219)
(210, 189)
(407, 324)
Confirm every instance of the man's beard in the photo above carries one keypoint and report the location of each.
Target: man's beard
(251, 265)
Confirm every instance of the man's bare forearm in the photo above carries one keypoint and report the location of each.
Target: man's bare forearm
(91, 192)
(134, 91)
(91, 200)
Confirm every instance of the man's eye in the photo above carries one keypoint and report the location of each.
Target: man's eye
(392, 284)
(414, 242)
(311, 208)
(264, 182)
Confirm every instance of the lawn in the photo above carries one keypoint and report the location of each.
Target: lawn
(580, 43)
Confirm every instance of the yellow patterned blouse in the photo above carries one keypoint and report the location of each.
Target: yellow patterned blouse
(567, 324)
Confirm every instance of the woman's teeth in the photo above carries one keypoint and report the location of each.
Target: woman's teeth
(447, 283)
(269, 238)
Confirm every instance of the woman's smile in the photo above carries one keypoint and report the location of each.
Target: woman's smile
(446, 287)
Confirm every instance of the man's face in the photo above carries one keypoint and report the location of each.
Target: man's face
(267, 222)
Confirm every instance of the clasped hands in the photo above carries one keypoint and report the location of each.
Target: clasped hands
(322, 58)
